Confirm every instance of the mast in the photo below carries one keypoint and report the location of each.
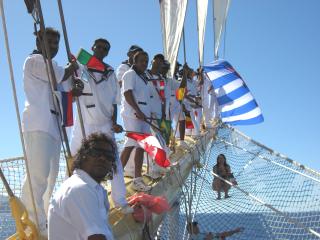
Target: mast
(66, 40)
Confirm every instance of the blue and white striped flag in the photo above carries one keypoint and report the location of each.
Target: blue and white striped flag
(236, 103)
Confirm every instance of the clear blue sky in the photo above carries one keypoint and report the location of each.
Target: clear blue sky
(273, 44)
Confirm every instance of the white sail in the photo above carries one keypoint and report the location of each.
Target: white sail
(172, 18)
(202, 9)
(220, 11)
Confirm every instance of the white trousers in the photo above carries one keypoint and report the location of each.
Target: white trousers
(118, 188)
(176, 115)
(210, 109)
(43, 154)
(134, 125)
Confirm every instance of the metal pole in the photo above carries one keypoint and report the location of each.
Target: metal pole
(66, 41)
(213, 33)
(184, 46)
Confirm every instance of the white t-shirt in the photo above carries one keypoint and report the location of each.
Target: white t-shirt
(141, 93)
(79, 209)
(98, 108)
(37, 114)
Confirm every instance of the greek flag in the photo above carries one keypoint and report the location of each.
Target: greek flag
(236, 103)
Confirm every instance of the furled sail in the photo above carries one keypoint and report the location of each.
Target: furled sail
(202, 9)
(172, 18)
(220, 12)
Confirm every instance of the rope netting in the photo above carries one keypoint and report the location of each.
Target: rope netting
(14, 171)
(276, 198)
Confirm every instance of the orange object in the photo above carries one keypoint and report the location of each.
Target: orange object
(144, 205)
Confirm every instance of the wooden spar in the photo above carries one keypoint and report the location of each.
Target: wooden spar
(66, 41)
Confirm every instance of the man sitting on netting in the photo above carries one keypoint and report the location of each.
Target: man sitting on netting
(195, 233)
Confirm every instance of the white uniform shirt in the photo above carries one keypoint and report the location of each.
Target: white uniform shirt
(191, 90)
(37, 115)
(141, 93)
(98, 108)
(79, 209)
(155, 100)
(167, 92)
(174, 103)
(121, 70)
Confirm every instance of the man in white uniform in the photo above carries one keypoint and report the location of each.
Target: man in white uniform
(210, 104)
(135, 110)
(192, 105)
(157, 87)
(121, 70)
(99, 111)
(79, 209)
(41, 127)
(176, 107)
(126, 65)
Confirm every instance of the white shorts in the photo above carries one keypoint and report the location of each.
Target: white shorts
(134, 125)
(176, 113)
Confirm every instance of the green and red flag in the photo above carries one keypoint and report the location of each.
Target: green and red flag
(85, 58)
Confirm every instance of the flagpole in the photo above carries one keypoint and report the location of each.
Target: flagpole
(66, 41)
(52, 80)
(126, 131)
(198, 33)
(184, 46)
(213, 33)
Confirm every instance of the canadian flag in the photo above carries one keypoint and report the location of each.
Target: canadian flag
(152, 146)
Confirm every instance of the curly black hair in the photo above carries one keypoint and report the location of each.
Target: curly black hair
(105, 41)
(88, 144)
(48, 30)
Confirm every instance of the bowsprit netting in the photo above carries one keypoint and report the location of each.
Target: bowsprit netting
(14, 171)
(276, 198)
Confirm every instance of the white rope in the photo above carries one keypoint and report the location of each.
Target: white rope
(13, 85)
(272, 151)
(289, 219)
(5, 160)
(271, 161)
(203, 178)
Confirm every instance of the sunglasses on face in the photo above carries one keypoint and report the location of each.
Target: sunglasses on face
(98, 152)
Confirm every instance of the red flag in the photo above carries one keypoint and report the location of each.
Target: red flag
(152, 146)
(189, 124)
(96, 64)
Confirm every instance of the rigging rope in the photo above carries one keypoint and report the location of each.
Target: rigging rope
(270, 188)
(282, 200)
(64, 29)
(15, 99)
